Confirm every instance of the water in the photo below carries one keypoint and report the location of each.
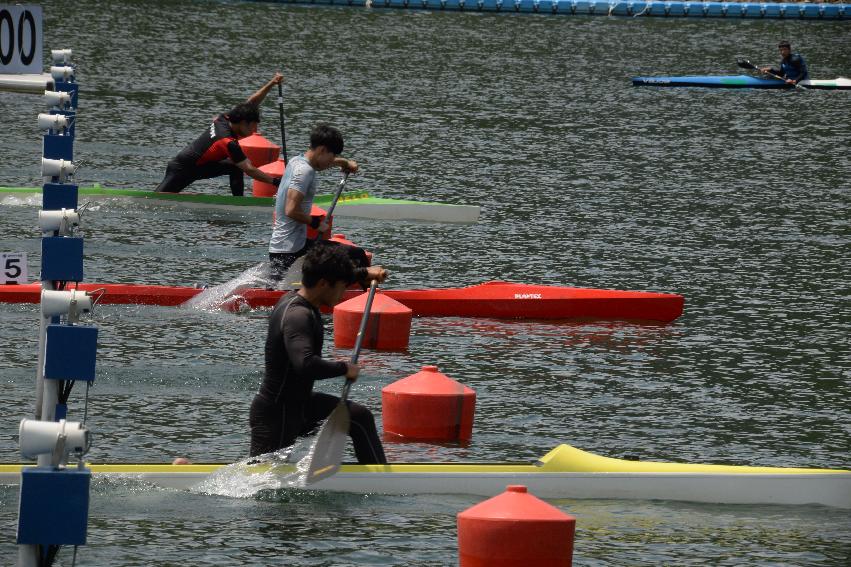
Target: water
(739, 200)
(215, 298)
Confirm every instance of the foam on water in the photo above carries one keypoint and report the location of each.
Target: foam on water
(32, 200)
(227, 294)
(286, 468)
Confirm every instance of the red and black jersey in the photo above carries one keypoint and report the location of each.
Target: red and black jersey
(217, 143)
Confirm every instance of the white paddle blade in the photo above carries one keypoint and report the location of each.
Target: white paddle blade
(328, 451)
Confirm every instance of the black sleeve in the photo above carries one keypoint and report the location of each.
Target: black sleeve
(235, 152)
(298, 342)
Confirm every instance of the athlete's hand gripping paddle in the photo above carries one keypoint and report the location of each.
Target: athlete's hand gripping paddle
(328, 450)
(292, 279)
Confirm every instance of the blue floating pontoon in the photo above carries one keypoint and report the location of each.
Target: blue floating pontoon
(628, 8)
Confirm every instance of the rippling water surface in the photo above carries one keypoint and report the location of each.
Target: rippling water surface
(739, 200)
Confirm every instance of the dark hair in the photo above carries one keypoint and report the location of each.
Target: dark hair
(784, 43)
(328, 261)
(328, 136)
(244, 112)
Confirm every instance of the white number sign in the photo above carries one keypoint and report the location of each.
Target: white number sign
(13, 268)
(20, 39)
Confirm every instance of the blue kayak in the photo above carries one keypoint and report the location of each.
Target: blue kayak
(738, 82)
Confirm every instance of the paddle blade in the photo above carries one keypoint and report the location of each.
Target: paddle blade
(330, 444)
(745, 64)
(292, 279)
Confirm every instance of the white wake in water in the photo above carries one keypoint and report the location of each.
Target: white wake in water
(286, 468)
(213, 298)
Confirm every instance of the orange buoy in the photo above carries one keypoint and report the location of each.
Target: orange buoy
(259, 150)
(341, 239)
(389, 326)
(319, 212)
(515, 528)
(263, 189)
(428, 406)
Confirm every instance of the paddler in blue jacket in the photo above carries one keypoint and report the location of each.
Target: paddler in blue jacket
(286, 407)
(793, 68)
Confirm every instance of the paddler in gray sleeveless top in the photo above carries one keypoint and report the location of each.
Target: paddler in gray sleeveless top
(295, 198)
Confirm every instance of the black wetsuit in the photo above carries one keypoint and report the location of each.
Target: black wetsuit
(214, 153)
(286, 406)
(794, 67)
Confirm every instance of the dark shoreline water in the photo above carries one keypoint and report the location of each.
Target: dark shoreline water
(739, 200)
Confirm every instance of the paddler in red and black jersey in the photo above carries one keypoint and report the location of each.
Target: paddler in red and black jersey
(286, 407)
(217, 152)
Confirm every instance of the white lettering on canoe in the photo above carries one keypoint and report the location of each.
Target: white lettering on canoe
(528, 296)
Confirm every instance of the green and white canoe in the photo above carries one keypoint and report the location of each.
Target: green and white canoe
(352, 204)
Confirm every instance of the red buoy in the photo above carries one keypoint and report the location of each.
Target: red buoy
(515, 528)
(340, 239)
(263, 189)
(259, 150)
(319, 212)
(428, 406)
(389, 326)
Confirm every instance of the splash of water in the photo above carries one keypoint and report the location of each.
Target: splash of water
(286, 468)
(227, 294)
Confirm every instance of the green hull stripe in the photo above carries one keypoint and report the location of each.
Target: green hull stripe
(348, 198)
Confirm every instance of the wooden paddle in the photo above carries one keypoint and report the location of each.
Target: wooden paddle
(328, 450)
(292, 279)
(745, 64)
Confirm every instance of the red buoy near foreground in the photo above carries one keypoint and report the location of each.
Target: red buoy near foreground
(515, 528)
(263, 189)
(389, 326)
(428, 406)
(259, 150)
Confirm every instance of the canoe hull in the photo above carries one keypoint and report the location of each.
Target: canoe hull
(564, 472)
(738, 82)
(786, 489)
(352, 204)
(496, 300)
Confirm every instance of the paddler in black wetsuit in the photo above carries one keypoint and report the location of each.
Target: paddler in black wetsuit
(217, 152)
(286, 407)
(793, 68)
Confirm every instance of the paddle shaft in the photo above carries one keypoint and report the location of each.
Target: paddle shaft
(339, 192)
(281, 113)
(359, 340)
(330, 212)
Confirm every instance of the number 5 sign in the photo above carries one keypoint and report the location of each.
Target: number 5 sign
(13, 268)
(20, 39)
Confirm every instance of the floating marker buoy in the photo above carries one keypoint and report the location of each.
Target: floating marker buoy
(389, 326)
(428, 406)
(515, 528)
(340, 239)
(263, 189)
(315, 211)
(259, 150)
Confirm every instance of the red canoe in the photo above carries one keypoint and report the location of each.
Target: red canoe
(497, 300)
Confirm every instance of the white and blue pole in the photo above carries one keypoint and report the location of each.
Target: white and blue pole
(54, 498)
